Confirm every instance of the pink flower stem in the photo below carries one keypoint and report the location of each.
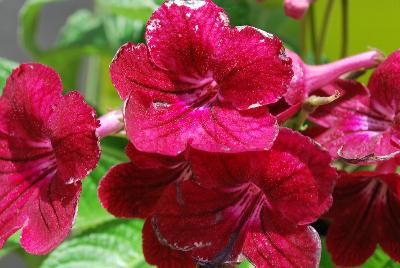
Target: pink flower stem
(321, 75)
(110, 123)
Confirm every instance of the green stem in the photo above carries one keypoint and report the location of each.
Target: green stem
(92, 80)
(324, 30)
(303, 37)
(345, 28)
(313, 31)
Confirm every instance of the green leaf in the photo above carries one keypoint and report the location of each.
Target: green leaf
(8, 248)
(116, 244)
(133, 9)
(326, 260)
(6, 68)
(380, 260)
(246, 264)
(29, 20)
(90, 211)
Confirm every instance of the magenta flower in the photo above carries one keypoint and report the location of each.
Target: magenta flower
(308, 78)
(365, 213)
(48, 143)
(256, 203)
(364, 124)
(297, 8)
(131, 190)
(200, 82)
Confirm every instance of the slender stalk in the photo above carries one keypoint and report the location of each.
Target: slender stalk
(313, 30)
(324, 30)
(110, 123)
(303, 37)
(345, 28)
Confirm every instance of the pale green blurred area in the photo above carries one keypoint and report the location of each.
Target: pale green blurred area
(372, 23)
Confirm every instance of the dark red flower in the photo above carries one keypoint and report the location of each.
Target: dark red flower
(131, 190)
(255, 203)
(365, 213)
(364, 124)
(200, 82)
(48, 144)
(309, 78)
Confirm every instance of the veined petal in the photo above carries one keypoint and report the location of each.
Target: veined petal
(129, 191)
(162, 255)
(132, 69)
(163, 123)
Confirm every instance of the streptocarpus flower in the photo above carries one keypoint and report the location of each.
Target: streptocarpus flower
(255, 203)
(200, 82)
(131, 190)
(365, 213)
(297, 8)
(364, 124)
(48, 143)
(308, 78)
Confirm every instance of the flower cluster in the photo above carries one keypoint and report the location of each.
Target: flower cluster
(214, 170)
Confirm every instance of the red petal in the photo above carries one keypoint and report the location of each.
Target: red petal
(42, 205)
(270, 247)
(153, 161)
(208, 222)
(294, 171)
(355, 202)
(161, 255)
(129, 191)
(252, 69)
(162, 123)
(131, 69)
(385, 86)
(32, 89)
(72, 128)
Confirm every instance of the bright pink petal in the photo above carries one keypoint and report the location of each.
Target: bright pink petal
(131, 69)
(183, 36)
(252, 69)
(163, 123)
(385, 86)
(196, 44)
(270, 247)
(162, 255)
(354, 130)
(129, 191)
(72, 128)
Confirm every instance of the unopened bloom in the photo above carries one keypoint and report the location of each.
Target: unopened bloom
(254, 204)
(297, 8)
(48, 144)
(132, 190)
(309, 78)
(365, 213)
(363, 125)
(200, 82)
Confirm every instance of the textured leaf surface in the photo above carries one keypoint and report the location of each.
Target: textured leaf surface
(114, 244)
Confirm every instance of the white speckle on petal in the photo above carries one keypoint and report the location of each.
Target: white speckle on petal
(153, 25)
(196, 28)
(193, 4)
(224, 18)
(254, 105)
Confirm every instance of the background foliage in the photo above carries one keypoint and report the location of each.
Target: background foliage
(85, 47)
